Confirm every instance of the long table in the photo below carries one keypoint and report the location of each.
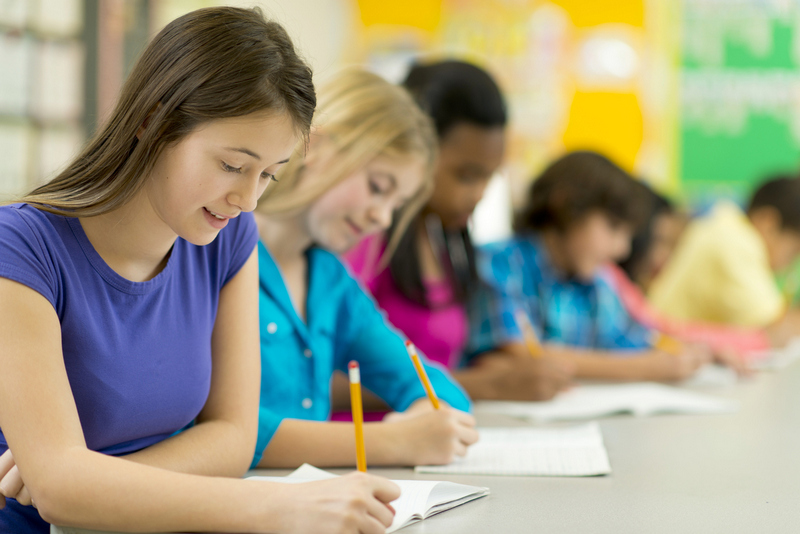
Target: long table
(736, 473)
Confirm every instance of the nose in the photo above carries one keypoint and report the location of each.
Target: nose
(623, 248)
(245, 196)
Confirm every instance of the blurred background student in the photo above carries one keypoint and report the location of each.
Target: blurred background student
(651, 249)
(580, 215)
(370, 156)
(723, 269)
(428, 280)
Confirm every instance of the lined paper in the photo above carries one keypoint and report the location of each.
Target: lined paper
(559, 452)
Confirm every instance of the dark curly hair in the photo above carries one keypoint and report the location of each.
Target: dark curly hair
(576, 185)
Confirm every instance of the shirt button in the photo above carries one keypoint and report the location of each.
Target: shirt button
(307, 403)
(307, 353)
(272, 328)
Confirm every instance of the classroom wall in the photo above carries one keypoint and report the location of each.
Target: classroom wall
(699, 97)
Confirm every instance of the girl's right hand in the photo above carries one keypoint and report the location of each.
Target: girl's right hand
(356, 503)
(432, 437)
(666, 366)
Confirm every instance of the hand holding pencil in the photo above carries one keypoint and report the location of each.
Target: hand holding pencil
(428, 432)
(528, 333)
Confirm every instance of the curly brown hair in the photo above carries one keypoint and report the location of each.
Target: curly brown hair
(576, 185)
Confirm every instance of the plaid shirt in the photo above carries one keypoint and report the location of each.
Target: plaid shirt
(518, 274)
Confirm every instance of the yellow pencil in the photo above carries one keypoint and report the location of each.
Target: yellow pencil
(423, 376)
(667, 344)
(358, 414)
(528, 333)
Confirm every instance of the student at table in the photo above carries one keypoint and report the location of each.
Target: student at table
(723, 269)
(370, 157)
(130, 306)
(579, 215)
(424, 286)
(651, 249)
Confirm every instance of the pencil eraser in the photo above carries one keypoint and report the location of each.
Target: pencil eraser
(410, 347)
(354, 372)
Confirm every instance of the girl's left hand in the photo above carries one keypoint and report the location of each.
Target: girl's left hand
(11, 484)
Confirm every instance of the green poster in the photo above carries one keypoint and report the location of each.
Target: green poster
(740, 95)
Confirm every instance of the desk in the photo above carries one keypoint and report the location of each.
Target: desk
(737, 473)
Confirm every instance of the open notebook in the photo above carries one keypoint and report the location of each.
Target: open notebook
(590, 401)
(520, 451)
(419, 499)
(712, 375)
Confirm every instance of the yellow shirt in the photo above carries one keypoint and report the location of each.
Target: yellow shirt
(720, 272)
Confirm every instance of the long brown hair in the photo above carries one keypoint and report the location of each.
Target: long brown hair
(209, 64)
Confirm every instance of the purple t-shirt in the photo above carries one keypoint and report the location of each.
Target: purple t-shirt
(137, 354)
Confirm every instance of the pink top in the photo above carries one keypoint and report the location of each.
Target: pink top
(718, 337)
(439, 331)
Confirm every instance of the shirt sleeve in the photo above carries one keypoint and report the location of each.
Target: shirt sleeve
(268, 423)
(380, 352)
(239, 244)
(24, 256)
(492, 306)
(748, 294)
(617, 330)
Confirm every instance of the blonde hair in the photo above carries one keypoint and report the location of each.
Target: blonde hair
(209, 64)
(362, 116)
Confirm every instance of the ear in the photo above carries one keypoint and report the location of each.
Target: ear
(143, 127)
(767, 220)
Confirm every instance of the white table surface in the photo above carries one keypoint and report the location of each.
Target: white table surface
(737, 473)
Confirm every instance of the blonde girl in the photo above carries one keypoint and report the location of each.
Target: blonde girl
(370, 158)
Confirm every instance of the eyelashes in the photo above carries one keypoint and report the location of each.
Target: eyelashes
(238, 170)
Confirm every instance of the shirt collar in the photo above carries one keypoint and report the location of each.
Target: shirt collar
(549, 272)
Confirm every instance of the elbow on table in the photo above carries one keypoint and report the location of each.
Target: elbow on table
(241, 451)
(52, 500)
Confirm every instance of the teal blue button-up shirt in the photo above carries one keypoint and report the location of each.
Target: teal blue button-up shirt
(342, 323)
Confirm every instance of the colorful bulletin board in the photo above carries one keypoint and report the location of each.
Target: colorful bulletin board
(740, 105)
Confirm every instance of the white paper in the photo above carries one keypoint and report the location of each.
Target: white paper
(419, 499)
(712, 375)
(591, 401)
(777, 359)
(520, 451)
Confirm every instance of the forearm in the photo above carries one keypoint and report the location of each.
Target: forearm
(211, 448)
(328, 444)
(86, 489)
(784, 329)
(477, 384)
(604, 365)
(479, 381)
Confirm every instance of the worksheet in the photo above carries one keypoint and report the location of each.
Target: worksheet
(592, 401)
(576, 451)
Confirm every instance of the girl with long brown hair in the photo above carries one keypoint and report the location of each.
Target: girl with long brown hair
(129, 303)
